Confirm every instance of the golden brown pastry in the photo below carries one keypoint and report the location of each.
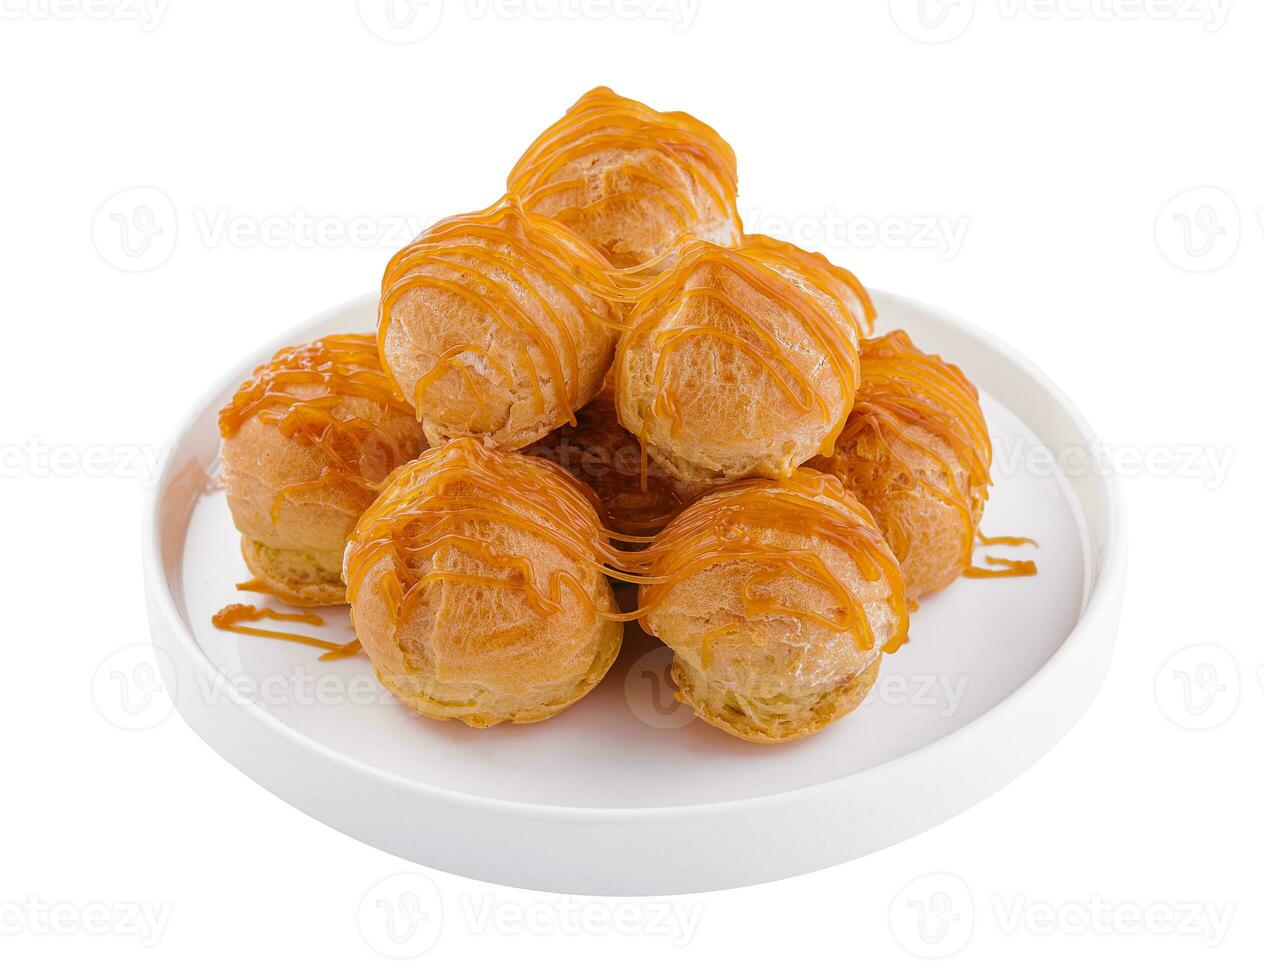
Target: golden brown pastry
(778, 599)
(477, 588)
(495, 327)
(631, 180)
(741, 362)
(307, 439)
(916, 452)
(607, 457)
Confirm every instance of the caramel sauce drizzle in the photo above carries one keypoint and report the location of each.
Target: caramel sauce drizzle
(905, 396)
(302, 391)
(1007, 539)
(415, 518)
(760, 263)
(259, 586)
(431, 505)
(602, 120)
(231, 617)
(825, 271)
(489, 259)
(721, 528)
(1001, 568)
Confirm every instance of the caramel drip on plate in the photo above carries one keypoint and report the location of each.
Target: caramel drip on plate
(721, 528)
(602, 121)
(1007, 539)
(1001, 568)
(907, 396)
(766, 266)
(231, 617)
(492, 260)
(258, 585)
(303, 391)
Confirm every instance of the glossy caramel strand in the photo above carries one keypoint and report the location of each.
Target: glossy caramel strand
(846, 280)
(1000, 568)
(303, 390)
(258, 586)
(601, 121)
(1006, 539)
(231, 617)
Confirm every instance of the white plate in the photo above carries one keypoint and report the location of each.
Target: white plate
(624, 793)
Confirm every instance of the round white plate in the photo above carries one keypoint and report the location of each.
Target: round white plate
(625, 793)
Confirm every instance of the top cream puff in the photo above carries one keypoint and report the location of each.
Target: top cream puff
(631, 180)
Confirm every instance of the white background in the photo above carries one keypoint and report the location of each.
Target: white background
(1045, 143)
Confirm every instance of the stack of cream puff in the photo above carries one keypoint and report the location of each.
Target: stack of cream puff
(601, 378)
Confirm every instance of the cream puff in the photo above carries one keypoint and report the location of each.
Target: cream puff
(497, 325)
(778, 599)
(307, 439)
(741, 362)
(477, 589)
(915, 450)
(631, 180)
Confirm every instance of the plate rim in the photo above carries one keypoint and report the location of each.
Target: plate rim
(1103, 594)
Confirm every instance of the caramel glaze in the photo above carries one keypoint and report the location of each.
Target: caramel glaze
(303, 391)
(718, 529)
(1007, 539)
(433, 503)
(762, 264)
(793, 255)
(489, 258)
(414, 518)
(601, 121)
(906, 395)
(1001, 568)
(259, 586)
(231, 617)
